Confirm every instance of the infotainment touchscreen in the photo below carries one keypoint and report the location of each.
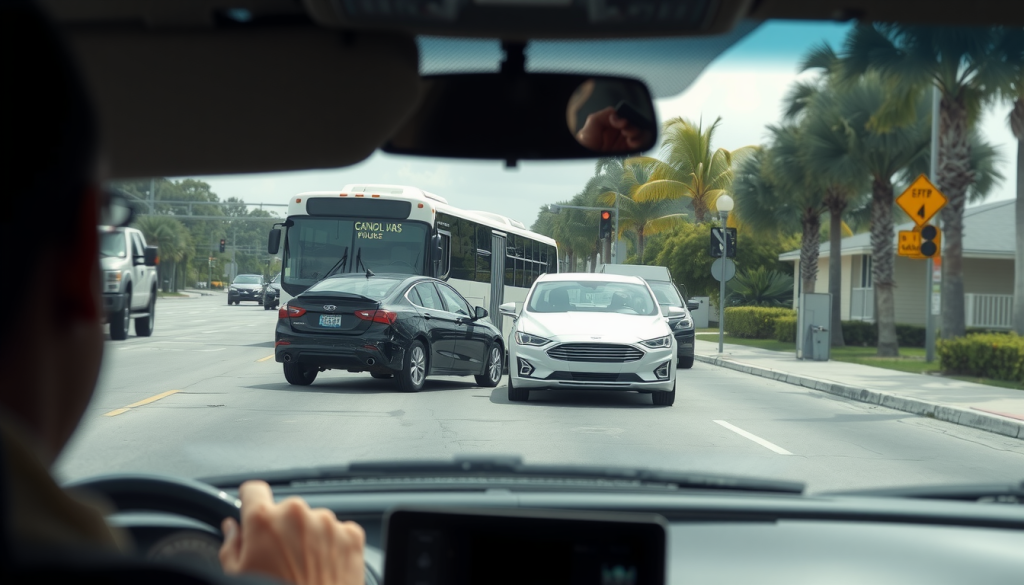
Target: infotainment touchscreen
(498, 547)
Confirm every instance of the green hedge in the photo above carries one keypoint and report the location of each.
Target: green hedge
(785, 329)
(999, 356)
(754, 322)
(866, 334)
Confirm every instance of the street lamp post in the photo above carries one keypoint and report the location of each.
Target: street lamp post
(724, 205)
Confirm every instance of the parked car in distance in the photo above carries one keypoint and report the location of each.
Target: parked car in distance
(245, 287)
(591, 331)
(665, 290)
(270, 295)
(129, 281)
(390, 325)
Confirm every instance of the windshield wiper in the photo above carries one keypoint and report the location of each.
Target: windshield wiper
(359, 261)
(509, 472)
(339, 264)
(986, 493)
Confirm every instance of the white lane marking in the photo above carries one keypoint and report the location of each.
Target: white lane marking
(753, 437)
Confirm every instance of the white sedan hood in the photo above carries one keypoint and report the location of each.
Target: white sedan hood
(582, 326)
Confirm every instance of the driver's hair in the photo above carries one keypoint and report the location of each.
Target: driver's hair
(49, 134)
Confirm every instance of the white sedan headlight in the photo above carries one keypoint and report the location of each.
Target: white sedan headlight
(527, 339)
(659, 342)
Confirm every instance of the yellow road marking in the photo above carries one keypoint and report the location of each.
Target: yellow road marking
(263, 359)
(142, 402)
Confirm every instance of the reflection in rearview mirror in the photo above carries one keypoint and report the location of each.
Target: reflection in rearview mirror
(607, 115)
(528, 116)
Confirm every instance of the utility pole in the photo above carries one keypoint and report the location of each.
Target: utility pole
(932, 304)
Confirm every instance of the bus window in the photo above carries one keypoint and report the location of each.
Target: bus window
(510, 260)
(483, 253)
(446, 255)
(463, 249)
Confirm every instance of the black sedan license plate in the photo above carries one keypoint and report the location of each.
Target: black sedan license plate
(330, 320)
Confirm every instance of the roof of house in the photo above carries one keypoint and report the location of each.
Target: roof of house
(989, 232)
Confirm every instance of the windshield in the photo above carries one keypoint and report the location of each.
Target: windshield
(316, 245)
(896, 373)
(666, 294)
(589, 296)
(247, 279)
(112, 244)
(375, 288)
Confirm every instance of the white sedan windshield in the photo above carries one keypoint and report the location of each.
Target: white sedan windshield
(592, 297)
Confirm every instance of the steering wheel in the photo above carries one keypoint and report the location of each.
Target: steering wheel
(159, 493)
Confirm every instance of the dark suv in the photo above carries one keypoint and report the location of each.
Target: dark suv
(245, 287)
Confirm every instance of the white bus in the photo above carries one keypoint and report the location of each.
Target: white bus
(489, 258)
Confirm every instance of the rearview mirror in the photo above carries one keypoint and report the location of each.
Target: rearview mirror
(481, 313)
(508, 309)
(515, 115)
(692, 305)
(274, 242)
(150, 257)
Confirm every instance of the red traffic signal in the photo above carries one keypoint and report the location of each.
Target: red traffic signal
(605, 230)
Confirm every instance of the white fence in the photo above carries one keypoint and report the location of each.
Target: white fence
(989, 311)
(862, 304)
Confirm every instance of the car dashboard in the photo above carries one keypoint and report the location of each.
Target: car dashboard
(711, 537)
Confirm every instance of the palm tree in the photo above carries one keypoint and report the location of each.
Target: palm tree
(172, 240)
(1016, 120)
(642, 218)
(826, 157)
(879, 156)
(692, 168)
(969, 66)
(759, 287)
(772, 190)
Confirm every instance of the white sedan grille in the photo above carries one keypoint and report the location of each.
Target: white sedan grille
(595, 352)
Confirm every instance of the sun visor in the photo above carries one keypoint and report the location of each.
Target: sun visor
(212, 101)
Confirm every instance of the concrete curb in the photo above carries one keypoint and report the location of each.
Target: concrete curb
(959, 416)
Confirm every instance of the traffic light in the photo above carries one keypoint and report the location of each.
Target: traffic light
(605, 230)
(223, 244)
(716, 243)
(931, 241)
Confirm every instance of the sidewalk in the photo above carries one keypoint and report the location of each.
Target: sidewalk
(989, 408)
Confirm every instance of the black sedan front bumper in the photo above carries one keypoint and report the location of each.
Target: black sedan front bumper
(684, 342)
(244, 295)
(357, 353)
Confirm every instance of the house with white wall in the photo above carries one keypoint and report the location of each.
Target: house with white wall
(989, 242)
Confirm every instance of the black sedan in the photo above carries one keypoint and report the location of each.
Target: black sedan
(390, 325)
(245, 287)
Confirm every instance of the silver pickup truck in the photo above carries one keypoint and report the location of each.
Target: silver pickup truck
(129, 281)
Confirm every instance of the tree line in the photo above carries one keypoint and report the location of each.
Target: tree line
(849, 139)
(186, 244)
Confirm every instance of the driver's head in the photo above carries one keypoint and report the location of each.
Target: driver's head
(53, 341)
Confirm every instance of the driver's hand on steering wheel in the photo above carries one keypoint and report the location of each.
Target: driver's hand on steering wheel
(290, 541)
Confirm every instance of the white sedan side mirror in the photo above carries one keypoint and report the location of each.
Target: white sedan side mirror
(508, 309)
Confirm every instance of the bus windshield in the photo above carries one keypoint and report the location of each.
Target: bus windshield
(315, 245)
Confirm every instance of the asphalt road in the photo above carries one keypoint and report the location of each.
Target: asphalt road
(222, 406)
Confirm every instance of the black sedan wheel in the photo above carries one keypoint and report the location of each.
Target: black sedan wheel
(492, 371)
(414, 372)
(299, 375)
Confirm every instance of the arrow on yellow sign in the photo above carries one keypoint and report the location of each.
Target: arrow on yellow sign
(921, 200)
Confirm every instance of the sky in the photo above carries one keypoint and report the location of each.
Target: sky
(744, 86)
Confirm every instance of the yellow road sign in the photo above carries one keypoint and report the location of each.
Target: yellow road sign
(921, 200)
(910, 244)
(924, 241)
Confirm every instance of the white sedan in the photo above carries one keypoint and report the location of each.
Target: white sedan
(597, 331)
